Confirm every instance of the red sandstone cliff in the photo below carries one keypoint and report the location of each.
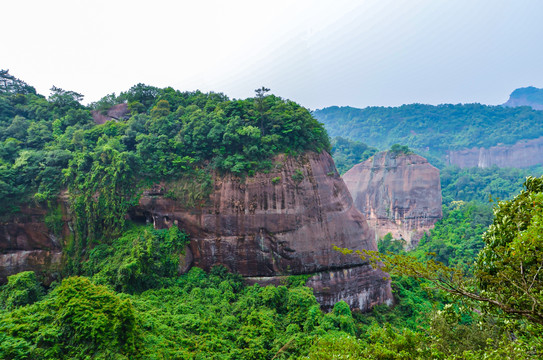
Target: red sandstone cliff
(524, 153)
(272, 225)
(263, 227)
(27, 244)
(399, 194)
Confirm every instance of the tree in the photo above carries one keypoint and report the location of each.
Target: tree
(64, 100)
(64, 97)
(162, 108)
(509, 269)
(10, 84)
(22, 289)
(261, 106)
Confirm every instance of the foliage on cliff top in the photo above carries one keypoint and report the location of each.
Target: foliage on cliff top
(433, 129)
(48, 143)
(348, 153)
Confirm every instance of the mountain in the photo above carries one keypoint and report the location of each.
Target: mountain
(440, 132)
(527, 96)
(250, 181)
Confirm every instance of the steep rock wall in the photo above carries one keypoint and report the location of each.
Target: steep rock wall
(524, 153)
(265, 227)
(280, 223)
(399, 194)
(27, 244)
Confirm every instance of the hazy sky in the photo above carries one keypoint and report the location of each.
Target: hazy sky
(318, 53)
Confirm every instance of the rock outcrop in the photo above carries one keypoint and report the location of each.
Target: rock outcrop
(398, 193)
(528, 96)
(523, 154)
(27, 244)
(280, 223)
(264, 227)
(116, 112)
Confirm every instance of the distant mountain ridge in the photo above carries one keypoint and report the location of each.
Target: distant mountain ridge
(527, 96)
(435, 131)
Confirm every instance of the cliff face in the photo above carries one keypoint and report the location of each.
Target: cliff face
(265, 227)
(524, 153)
(280, 223)
(398, 194)
(27, 244)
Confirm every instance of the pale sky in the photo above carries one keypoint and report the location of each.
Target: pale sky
(318, 53)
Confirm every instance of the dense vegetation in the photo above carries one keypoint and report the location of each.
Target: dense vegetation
(214, 315)
(433, 129)
(127, 300)
(468, 198)
(483, 184)
(347, 153)
(501, 292)
(47, 143)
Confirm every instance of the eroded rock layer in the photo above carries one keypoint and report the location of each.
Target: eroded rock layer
(26, 244)
(524, 153)
(268, 226)
(283, 222)
(398, 193)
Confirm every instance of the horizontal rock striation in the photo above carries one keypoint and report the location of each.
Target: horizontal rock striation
(523, 154)
(398, 193)
(280, 223)
(27, 244)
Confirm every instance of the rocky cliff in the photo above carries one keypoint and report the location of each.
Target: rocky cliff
(280, 223)
(399, 194)
(27, 244)
(264, 227)
(524, 153)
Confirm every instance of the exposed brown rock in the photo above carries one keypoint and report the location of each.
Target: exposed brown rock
(263, 228)
(27, 244)
(266, 226)
(116, 112)
(45, 263)
(399, 194)
(524, 153)
(356, 286)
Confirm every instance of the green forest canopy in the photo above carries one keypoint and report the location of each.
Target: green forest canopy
(51, 143)
(216, 316)
(433, 129)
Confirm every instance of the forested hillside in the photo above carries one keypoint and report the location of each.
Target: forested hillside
(51, 143)
(120, 295)
(432, 129)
